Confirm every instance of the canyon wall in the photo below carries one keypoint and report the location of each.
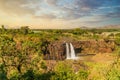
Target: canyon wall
(57, 49)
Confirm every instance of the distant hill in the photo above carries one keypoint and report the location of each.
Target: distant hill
(83, 27)
(102, 27)
(111, 27)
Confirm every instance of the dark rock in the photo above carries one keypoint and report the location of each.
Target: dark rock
(57, 49)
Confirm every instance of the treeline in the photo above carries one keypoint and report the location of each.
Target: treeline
(23, 30)
(76, 31)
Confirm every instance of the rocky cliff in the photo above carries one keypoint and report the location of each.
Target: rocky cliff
(57, 49)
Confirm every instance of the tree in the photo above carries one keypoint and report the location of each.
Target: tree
(2, 29)
(24, 29)
(63, 72)
(3, 75)
(21, 57)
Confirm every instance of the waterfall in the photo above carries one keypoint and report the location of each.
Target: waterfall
(70, 52)
(67, 51)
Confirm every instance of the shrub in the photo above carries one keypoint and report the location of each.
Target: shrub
(3, 75)
(82, 75)
(63, 72)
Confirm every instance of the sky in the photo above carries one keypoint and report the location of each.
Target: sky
(59, 14)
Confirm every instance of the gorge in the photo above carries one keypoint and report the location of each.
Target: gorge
(59, 50)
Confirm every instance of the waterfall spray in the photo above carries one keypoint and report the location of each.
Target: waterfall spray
(70, 52)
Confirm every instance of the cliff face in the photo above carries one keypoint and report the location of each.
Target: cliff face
(57, 50)
(94, 47)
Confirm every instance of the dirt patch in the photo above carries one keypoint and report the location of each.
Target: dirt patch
(103, 58)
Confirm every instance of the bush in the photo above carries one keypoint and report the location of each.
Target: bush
(113, 74)
(82, 75)
(63, 72)
(117, 41)
(3, 75)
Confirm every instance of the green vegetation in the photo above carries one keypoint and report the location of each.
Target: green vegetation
(22, 51)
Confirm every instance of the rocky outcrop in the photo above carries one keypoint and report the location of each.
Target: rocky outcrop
(94, 47)
(57, 49)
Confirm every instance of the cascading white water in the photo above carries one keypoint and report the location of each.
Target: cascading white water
(70, 52)
(67, 51)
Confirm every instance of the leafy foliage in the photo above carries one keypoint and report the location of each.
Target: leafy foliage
(21, 55)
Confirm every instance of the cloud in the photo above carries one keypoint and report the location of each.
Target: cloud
(51, 2)
(76, 8)
(113, 14)
(17, 7)
(46, 16)
(89, 4)
(72, 9)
